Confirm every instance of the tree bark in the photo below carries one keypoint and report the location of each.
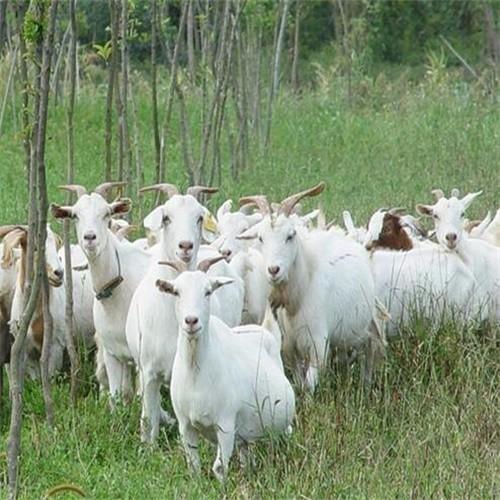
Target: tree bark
(108, 127)
(279, 47)
(190, 41)
(126, 168)
(36, 220)
(68, 318)
(154, 90)
(296, 45)
(3, 23)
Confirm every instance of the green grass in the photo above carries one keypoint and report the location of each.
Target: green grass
(431, 426)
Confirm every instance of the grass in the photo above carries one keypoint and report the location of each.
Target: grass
(431, 426)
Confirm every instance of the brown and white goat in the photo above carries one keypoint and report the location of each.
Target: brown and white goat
(15, 239)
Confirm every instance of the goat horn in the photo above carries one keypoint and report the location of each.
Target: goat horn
(206, 264)
(195, 191)
(179, 267)
(397, 211)
(74, 188)
(105, 187)
(455, 193)
(247, 208)
(169, 189)
(260, 200)
(287, 205)
(438, 194)
(5, 230)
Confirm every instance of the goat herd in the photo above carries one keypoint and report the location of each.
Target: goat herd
(209, 307)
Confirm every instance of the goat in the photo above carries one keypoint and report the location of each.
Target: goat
(16, 237)
(388, 229)
(229, 388)
(116, 268)
(481, 257)
(232, 224)
(324, 284)
(151, 327)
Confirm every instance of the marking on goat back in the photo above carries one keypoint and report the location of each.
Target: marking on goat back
(342, 257)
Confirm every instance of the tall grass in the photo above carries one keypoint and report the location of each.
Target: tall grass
(431, 426)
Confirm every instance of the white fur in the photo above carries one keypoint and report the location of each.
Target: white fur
(229, 388)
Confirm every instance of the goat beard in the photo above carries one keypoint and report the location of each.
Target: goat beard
(279, 297)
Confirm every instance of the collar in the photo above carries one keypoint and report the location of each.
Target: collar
(107, 290)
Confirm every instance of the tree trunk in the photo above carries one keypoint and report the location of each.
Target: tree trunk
(3, 23)
(34, 273)
(68, 319)
(154, 91)
(108, 129)
(295, 60)
(493, 39)
(190, 41)
(279, 47)
(126, 168)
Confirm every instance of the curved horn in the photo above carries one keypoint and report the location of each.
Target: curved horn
(455, 193)
(248, 208)
(169, 189)
(74, 188)
(105, 187)
(260, 200)
(438, 194)
(177, 266)
(5, 230)
(195, 191)
(397, 211)
(287, 205)
(206, 264)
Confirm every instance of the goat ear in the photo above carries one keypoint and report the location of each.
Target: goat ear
(469, 198)
(121, 206)
(61, 212)
(424, 209)
(250, 234)
(224, 209)
(219, 281)
(166, 287)
(11, 244)
(310, 217)
(154, 220)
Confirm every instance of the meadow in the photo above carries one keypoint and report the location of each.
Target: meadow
(429, 428)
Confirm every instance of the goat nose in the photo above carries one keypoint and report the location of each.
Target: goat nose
(186, 245)
(59, 273)
(273, 270)
(89, 236)
(451, 237)
(191, 320)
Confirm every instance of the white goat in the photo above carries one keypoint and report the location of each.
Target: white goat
(232, 224)
(481, 257)
(324, 284)
(228, 387)
(151, 324)
(116, 269)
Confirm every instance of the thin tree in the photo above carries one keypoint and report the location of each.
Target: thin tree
(154, 90)
(70, 334)
(112, 64)
(37, 216)
(123, 115)
(190, 41)
(296, 45)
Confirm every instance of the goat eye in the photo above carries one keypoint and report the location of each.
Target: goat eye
(290, 237)
(166, 219)
(208, 293)
(200, 219)
(462, 215)
(260, 239)
(434, 216)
